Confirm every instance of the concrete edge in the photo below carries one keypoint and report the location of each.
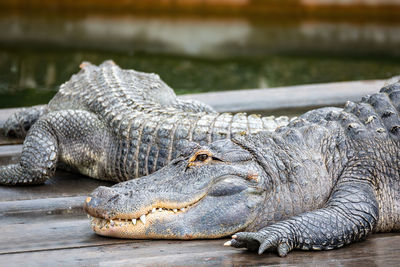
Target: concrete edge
(324, 94)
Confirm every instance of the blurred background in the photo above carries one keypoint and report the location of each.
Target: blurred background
(196, 45)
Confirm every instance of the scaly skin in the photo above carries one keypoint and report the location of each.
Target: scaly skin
(114, 124)
(329, 178)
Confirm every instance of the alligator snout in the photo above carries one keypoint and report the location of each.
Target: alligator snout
(96, 204)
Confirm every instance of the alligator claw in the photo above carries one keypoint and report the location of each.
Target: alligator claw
(261, 242)
(283, 249)
(238, 244)
(245, 240)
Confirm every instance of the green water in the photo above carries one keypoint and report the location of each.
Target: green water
(32, 76)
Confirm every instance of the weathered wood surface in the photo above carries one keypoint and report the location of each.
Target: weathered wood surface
(51, 238)
(64, 184)
(45, 225)
(68, 240)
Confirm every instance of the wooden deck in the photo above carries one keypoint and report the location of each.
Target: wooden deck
(45, 226)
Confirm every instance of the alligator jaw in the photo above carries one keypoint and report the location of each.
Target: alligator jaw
(135, 227)
(138, 225)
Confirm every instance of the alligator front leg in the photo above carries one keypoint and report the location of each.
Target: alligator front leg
(69, 135)
(38, 158)
(349, 216)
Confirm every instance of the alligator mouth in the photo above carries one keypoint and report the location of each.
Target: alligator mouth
(137, 226)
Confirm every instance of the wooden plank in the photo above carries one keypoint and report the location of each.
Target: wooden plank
(64, 184)
(66, 238)
(8, 141)
(10, 150)
(90, 249)
(326, 94)
(49, 232)
(10, 154)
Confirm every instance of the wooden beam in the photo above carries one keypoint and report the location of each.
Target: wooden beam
(326, 94)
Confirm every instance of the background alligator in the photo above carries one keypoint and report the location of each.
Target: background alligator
(329, 178)
(114, 124)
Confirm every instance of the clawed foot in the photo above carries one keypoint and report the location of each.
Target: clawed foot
(261, 241)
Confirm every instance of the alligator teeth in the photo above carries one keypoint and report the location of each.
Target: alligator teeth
(143, 218)
(123, 222)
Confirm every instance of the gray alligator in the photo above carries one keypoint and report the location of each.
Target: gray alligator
(329, 178)
(115, 124)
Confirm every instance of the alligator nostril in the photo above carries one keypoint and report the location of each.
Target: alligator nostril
(114, 198)
(92, 202)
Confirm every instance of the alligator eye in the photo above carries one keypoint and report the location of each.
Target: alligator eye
(201, 157)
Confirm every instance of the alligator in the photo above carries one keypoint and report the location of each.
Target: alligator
(329, 178)
(114, 124)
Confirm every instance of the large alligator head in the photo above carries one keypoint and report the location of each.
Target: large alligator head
(234, 185)
(209, 192)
